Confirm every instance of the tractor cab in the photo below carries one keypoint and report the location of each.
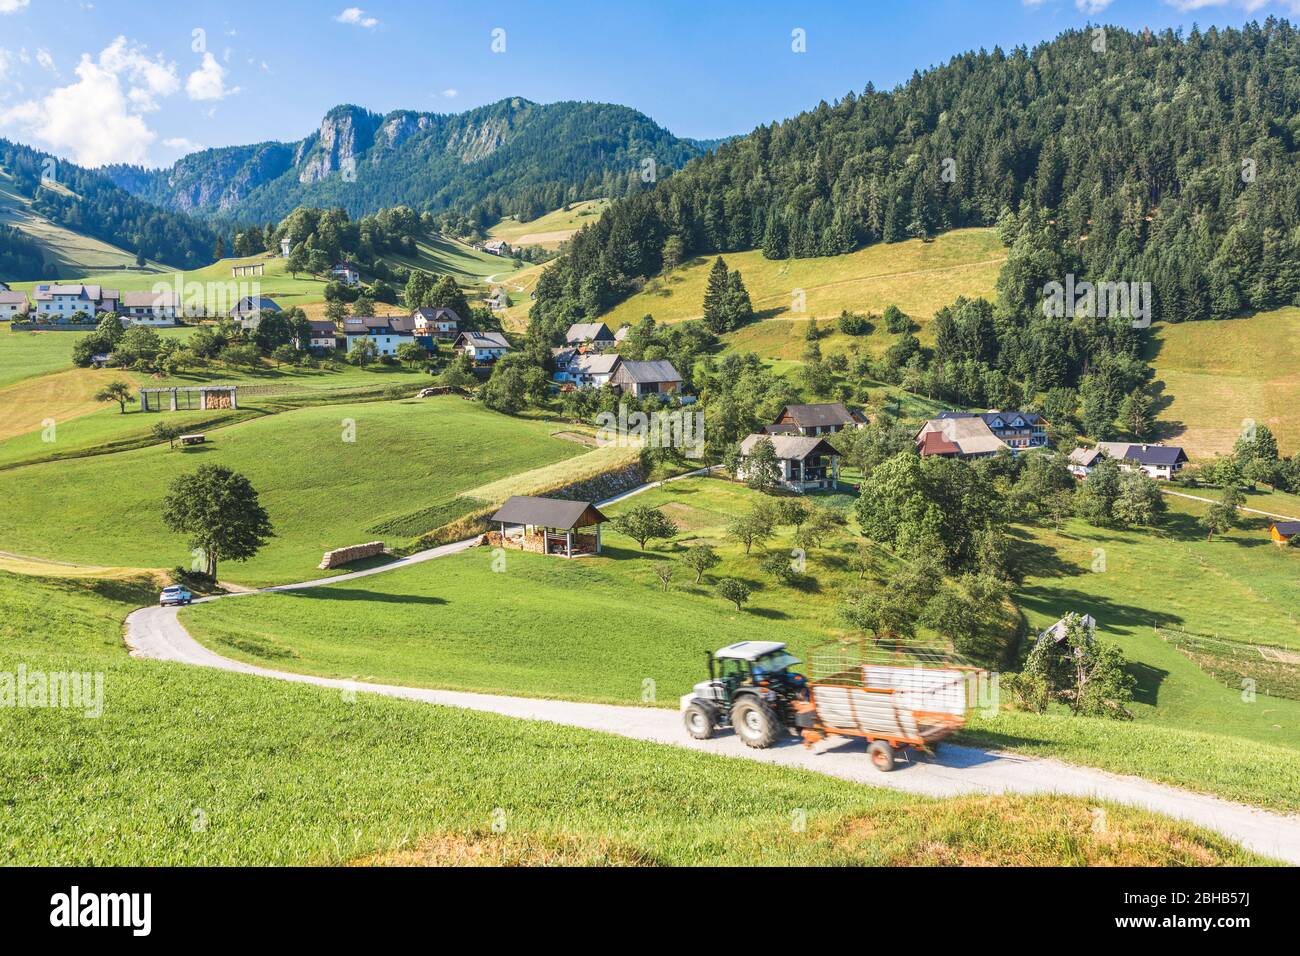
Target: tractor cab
(750, 680)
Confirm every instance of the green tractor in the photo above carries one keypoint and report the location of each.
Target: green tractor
(751, 688)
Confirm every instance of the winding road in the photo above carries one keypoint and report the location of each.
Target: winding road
(156, 632)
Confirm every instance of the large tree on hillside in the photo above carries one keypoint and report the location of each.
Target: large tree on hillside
(715, 298)
(220, 511)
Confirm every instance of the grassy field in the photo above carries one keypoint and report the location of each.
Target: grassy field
(444, 256)
(64, 249)
(552, 229)
(209, 768)
(1216, 375)
(448, 626)
(1237, 587)
(320, 490)
(918, 277)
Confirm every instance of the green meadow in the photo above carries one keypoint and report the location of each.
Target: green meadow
(327, 474)
(197, 767)
(919, 277)
(605, 629)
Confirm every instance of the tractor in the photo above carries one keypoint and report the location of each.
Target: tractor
(751, 688)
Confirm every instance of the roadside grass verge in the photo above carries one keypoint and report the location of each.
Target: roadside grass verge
(198, 767)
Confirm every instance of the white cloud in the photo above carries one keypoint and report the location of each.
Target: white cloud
(451, 93)
(182, 144)
(45, 60)
(1250, 6)
(209, 81)
(353, 15)
(99, 119)
(1092, 6)
(13, 6)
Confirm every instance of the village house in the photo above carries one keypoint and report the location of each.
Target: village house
(584, 369)
(1155, 461)
(248, 310)
(498, 300)
(65, 301)
(322, 337)
(386, 332)
(822, 419)
(646, 378)
(1017, 430)
(349, 273)
(12, 304)
(547, 526)
(965, 438)
(497, 247)
(1283, 531)
(807, 463)
(148, 308)
(483, 347)
(436, 323)
(621, 333)
(592, 334)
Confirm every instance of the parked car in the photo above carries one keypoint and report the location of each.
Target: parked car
(173, 595)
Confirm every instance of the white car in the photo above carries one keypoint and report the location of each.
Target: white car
(173, 595)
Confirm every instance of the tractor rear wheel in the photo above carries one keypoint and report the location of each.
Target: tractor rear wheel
(700, 720)
(756, 723)
(882, 755)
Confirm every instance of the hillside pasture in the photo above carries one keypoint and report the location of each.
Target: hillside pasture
(919, 277)
(321, 489)
(1214, 377)
(550, 230)
(65, 251)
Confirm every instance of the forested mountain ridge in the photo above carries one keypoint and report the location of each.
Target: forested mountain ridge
(513, 157)
(1158, 158)
(87, 202)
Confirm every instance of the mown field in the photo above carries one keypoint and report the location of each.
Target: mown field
(207, 768)
(552, 229)
(528, 630)
(1214, 376)
(320, 490)
(918, 277)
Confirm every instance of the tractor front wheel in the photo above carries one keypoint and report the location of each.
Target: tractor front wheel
(699, 720)
(881, 753)
(756, 723)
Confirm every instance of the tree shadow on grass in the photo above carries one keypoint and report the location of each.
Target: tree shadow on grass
(1054, 602)
(768, 613)
(353, 594)
(1149, 679)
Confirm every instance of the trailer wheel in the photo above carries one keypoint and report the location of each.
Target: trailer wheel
(700, 721)
(755, 723)
(882, 755)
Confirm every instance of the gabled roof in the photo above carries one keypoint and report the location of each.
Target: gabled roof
(1058, 631)
(819, 416)
(149, 300)
(256, 303)
(12, 298)
(791, 447)
(377, 325)
(593, 363)
(484, 340)
(645, 373)
(933, 443)
(436, 314)
(322, 327)
(588, 332)
(548, 512)
(1156, 455)
(621, 333)
(967, 432)
(1000, 419)
(1286, 528)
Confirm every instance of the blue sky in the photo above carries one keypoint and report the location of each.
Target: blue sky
(147, 81)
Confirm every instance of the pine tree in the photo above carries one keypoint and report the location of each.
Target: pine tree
(715, 298)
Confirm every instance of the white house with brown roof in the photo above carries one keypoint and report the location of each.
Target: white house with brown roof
(1161, 462)
(584, 369)
(806, 462)
(594, 334)
(971, 437)
(13, 305)
(437, 323)
(148, 308)
(498, 247)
